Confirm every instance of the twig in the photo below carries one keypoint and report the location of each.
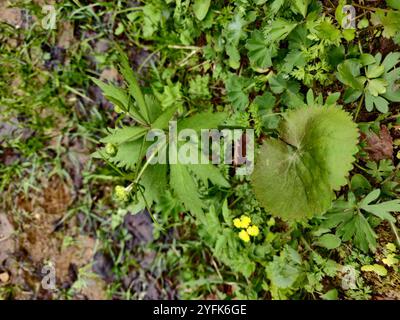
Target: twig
(369, 8)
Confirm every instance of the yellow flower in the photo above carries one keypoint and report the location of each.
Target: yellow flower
(237, 223)
(253, 231)
(245, 221)
(243, 235)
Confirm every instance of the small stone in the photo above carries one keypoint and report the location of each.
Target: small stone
(4, 277)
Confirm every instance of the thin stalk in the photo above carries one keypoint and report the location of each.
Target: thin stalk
(359, 107)
(395, 232)
(306, 244)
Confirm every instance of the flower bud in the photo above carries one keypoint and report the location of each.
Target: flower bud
(121, 193)
(111, 149)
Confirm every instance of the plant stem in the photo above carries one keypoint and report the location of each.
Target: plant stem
(359, 107)
(396, 234)
(369, 8)
(306, 244)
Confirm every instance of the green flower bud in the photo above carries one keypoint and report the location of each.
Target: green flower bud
(111, 149)
(121, 193)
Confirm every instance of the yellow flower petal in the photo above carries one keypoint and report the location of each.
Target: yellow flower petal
(245, 221)
(253, 231)
(237, 223)
(243, 235)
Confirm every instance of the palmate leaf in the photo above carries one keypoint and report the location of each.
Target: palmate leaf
(294, 176)
(202, 121)
(278, 30)
(185, 188)
(237, 96)
(350, 225)
(210, 172)
(154, 181)
(128, 154)
(121, 135)
(260, 53)
(133, 86)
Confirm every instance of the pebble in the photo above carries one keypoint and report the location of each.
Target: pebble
(4, 277)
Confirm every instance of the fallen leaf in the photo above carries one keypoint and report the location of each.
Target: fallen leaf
(380, 146)
(66, 35)
(7, 244)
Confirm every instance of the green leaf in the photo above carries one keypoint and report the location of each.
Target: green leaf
(350, 225)
(133, 85)
(234, 56)
(278, 30)
(276, 5)
(185, 188)
(295, 176)
(153, 107)
(381, 210)
(162, 121)
(329, 241)
(391, 60)
(375, 71)
(351, 95)
(289, 90)
(389, 20)
(395, 4)
(360, 184)
(203, 120)
(260, 53)
(200, 8)
(349, 74)
(381, 104)
(378, 269)
(285, 269)
(327, 31)
(234, 30)
(207, 172)
(128, 154)
(349, 34)
(154, 181)
(367, 59)
(376, 87)
(121, 135)
(330, 295)
(236, 95)
(300, 6)
(332, 99)
(171, 95)
(393, 89)
(114, 94)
